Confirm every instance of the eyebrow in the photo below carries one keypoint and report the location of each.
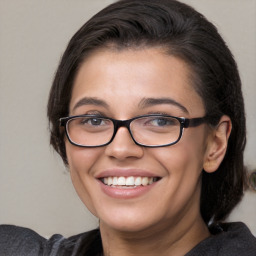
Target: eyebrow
(148, 102)
(145, 102)
(90, 101)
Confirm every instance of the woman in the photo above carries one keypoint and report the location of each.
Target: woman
(146, 110)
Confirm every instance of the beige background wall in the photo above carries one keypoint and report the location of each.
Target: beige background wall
(35, 188)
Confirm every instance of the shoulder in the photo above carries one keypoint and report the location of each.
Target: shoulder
(19, 241)
(232, 239)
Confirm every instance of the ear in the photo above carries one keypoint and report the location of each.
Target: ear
(217, 144)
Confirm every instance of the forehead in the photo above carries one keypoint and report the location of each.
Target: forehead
(125, 76)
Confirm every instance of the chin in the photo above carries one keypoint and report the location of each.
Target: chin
(132, 227)
(125, 222)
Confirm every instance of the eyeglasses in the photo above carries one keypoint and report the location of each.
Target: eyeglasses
(146, 130)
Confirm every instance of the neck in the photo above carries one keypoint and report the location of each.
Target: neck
(176, 240)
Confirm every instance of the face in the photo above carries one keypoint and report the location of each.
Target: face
(122, 81)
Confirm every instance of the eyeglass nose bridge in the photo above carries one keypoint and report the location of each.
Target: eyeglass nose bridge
(122, 123)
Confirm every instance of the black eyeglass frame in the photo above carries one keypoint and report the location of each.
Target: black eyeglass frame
(184, 123)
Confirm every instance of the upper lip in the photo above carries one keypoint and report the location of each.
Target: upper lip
(125, 173)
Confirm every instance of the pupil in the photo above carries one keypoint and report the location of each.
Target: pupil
(96, 121)
(161, 122)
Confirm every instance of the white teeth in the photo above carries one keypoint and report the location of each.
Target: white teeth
(120, 181)
(138, 181)
(110, 181)
(128, 181)
(145, 181)
(114, 180)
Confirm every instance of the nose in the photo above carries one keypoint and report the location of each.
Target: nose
(123, 146)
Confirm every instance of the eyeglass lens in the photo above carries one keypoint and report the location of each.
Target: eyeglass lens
(149, 131)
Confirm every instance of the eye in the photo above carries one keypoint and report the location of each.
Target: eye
(162, 121)
(159, 122)
(94, 121)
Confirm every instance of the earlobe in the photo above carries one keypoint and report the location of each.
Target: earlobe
(217, 145)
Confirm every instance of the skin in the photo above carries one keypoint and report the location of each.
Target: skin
(166, 220)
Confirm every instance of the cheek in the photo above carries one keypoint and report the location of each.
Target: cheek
(182, 157)
(181, 165)
(81, 163)
(81, 159)
(183, 162)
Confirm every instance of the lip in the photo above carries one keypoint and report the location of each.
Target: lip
(125, 193)
(125, 173)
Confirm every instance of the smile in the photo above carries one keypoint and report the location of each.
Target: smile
(130, 181)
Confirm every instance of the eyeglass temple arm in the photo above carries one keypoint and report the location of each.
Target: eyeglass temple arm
(193, 122)
(62, 121)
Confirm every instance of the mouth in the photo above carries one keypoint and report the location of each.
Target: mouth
(128, 182)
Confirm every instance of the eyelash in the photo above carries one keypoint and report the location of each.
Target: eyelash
(96, 113)
(101, 114)
(159, 113)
